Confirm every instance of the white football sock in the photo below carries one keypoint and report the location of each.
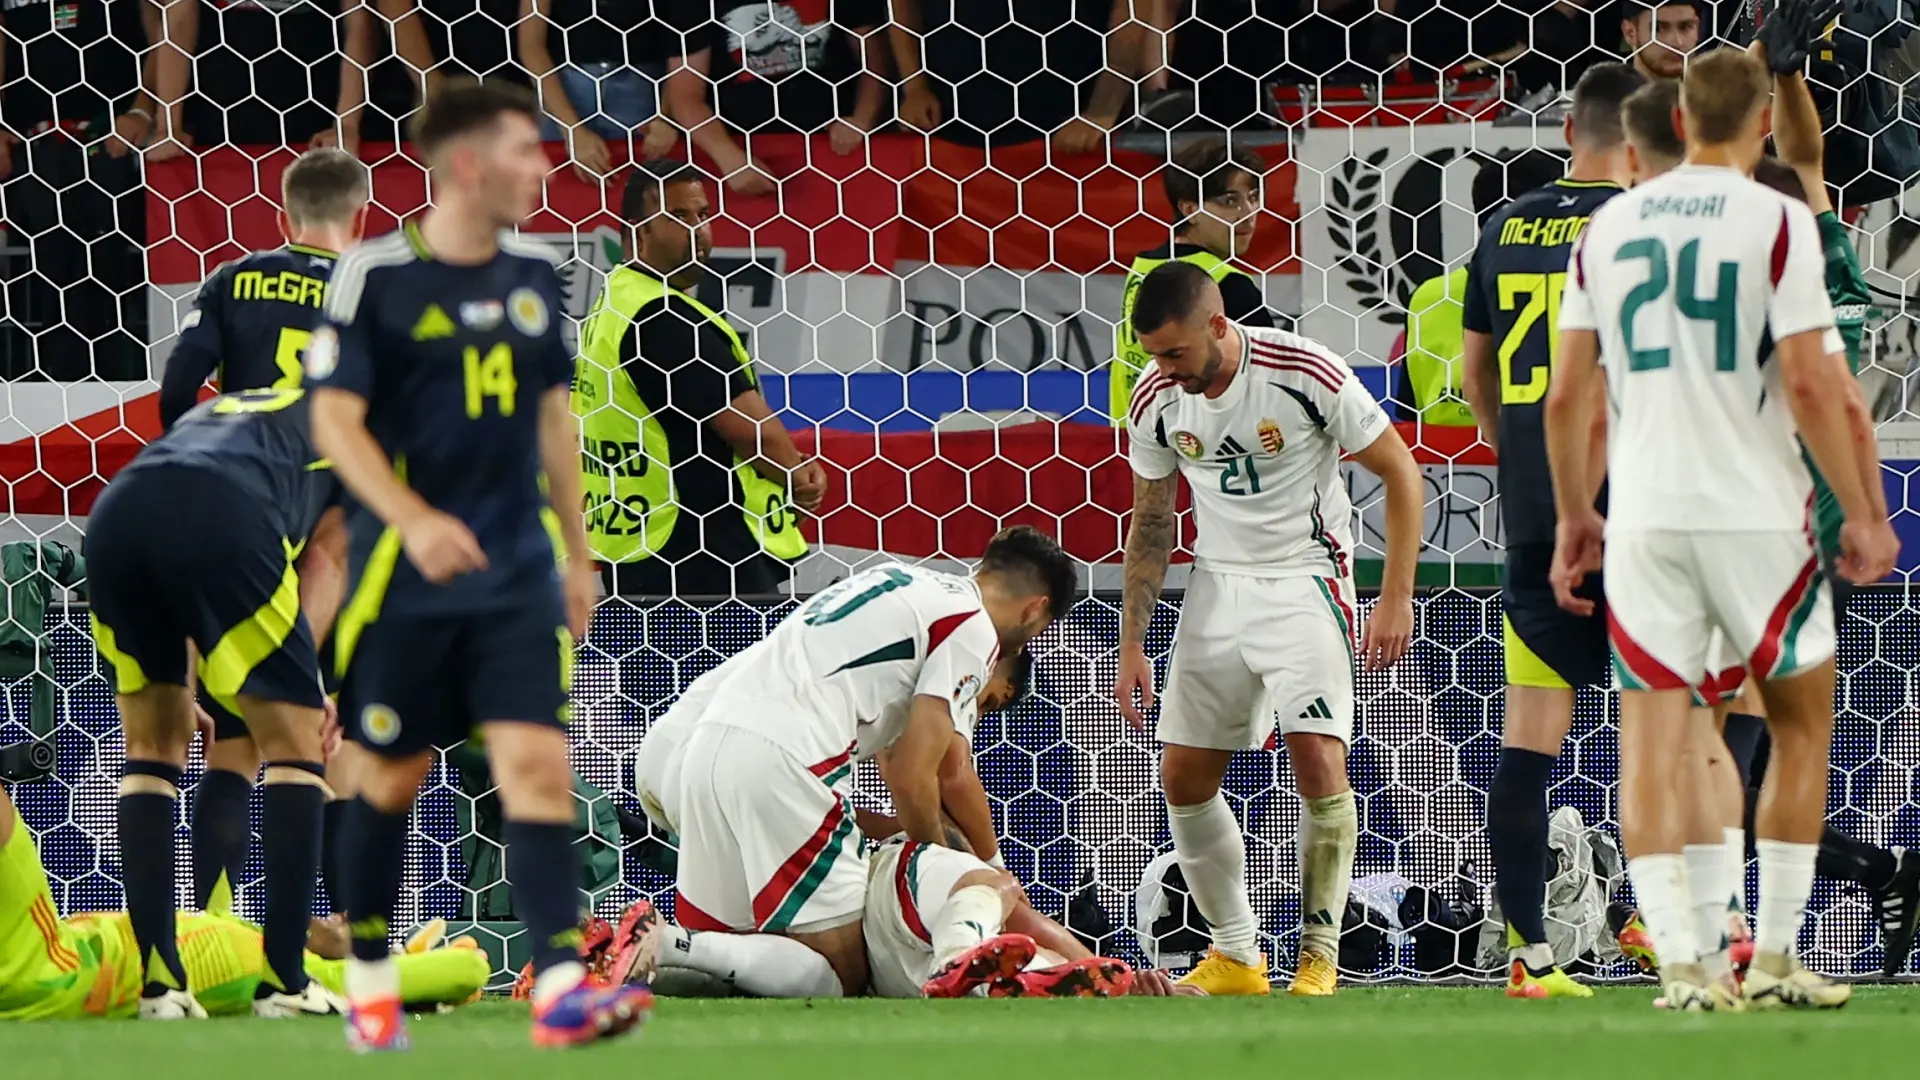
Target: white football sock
(1660, 885)
(969, 917)
(1212, 852)
(369, 982)
(764, 965)
(557, 980)
(1330, 830)
(1710, 880)
(1786, 881)
(1737, 854)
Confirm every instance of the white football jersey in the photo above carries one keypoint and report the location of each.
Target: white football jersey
(1684, 278)
(1263, 458)
(851, 660)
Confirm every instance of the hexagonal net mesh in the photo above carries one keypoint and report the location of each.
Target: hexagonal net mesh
(927, 271)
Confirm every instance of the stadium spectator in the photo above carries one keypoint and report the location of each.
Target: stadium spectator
(665, 381)
(77, 308)
(1553, 46)
(1215, 196)
(761, 67)
(1000, 72)
(1659, 35)
(598, 69)
(272, 72)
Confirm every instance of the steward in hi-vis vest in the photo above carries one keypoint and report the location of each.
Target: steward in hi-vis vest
(685, 467)
(1215, 195)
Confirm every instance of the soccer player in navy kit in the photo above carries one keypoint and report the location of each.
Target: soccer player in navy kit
(441, 394)
(248, 330)
(221, 535)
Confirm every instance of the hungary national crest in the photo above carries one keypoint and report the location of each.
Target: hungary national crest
(1271, 440)
(1189, 444)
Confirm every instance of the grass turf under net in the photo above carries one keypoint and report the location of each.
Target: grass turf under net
(1398, 1032)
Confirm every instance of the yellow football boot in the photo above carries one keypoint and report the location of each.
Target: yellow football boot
(1551, 983)
(1318, 976)
(1220, 975)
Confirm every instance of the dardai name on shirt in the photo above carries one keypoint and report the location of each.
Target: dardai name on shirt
(1542, 231)
(1684, 206)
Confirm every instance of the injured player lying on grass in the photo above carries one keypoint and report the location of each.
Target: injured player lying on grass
(938, 922)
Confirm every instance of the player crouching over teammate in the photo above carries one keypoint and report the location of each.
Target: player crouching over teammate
(751, 770)
(67, 969)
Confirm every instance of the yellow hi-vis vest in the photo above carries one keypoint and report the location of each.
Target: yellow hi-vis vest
(1436, 350)
(1129, 359)
(631, 502)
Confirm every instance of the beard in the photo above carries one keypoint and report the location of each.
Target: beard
(1197, 384)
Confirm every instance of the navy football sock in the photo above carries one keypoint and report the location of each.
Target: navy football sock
(146, 870)
(290, 839)
(1842, 858)
(219, 831)
(1743, 734)
(1517, 837)
(378, 845)
(545, 873)
(333, 818)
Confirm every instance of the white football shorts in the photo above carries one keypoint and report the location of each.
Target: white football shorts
(907, 884)
(1253, 654)
(1667, 592)
(766, 843)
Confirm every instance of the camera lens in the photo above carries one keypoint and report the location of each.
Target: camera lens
(41, 755)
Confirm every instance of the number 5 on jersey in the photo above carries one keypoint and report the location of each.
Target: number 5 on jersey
(489, 376)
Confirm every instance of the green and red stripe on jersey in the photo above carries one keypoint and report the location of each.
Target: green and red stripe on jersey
(1634, 666)
(906, 880)
(779, 902)
(1325, 539)
(1778, 654)
(834, 769)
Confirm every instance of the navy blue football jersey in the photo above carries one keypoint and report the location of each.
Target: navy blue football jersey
(1514, 284)
(262, 441)
(249, 326)
(453, 362)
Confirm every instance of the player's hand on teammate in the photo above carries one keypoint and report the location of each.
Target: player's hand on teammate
(1868, 550)
(809, 484)
(1135, 680)
(203, 723)
(1576, 553)
(1388, 632)
(441, 547)
(330, 733)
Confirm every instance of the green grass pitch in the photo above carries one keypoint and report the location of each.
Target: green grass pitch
(1411, 1032)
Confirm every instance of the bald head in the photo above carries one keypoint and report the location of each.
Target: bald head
(1179, 318)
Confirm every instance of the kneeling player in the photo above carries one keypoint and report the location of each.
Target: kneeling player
(753, 767)
(192, 552)
(53, 968)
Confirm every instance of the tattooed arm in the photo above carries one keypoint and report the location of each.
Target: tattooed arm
(1149, 545)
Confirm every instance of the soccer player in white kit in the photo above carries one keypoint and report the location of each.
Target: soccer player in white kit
(1257, 420)
(752, 768)
(1677, 284)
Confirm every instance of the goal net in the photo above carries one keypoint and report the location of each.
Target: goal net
(934, 319)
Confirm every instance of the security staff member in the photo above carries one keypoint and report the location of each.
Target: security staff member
(1215, 195)
(687, 471)
(1436, 331)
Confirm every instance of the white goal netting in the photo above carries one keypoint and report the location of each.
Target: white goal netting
(934, 317)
